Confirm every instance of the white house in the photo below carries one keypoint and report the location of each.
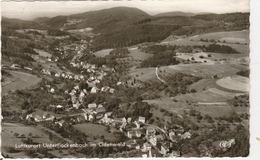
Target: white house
(94, 90)
(92, 105)
(52, 90)
(141, 119)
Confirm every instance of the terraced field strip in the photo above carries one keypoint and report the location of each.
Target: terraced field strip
(212, 103)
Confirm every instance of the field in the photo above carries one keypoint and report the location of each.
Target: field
(196, 56)
(230, 37)
(94, 129)
(19, 80)
(202, 69)
(143, 74)
(212, 109)
(137, 54)
(102, 53)
(8, 130)
(42, 53)
(237, 83)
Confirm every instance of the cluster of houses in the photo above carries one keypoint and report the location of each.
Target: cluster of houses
(39, 117)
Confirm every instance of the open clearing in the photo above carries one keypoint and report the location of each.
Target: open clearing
(102, 53)
(137, 54)
(20, 80)
(94, 129)
(237, 83)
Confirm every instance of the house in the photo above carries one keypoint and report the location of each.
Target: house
(100, 106)
(85, 91)
(137, 124)
(45, 71)
(45, 115)
(174, 154)
(150, 131)
(152, 140)
(164, 149)
(15, 66)
(138, 134)
(92, 105)
(57, 75)
(159, 137)
(51, 118)
(124, 120)
(129, 119)
(186, 135)
(81, 77)
(90, 117)
(76, 105)
(76, 77)
(52, 90)
(28, 116)
(85, 115)
(104, 89)
(94, 90)
(118, 83)
(60, 123)
(144, 155)
(27, 68)
(130, 134)
(76, 87)
(146, 147)
(122, 126)
(108, 114)
(111, 90)
(141, 119)
(59, 106)
(100, 110)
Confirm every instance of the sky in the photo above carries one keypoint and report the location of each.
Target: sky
(31, 10)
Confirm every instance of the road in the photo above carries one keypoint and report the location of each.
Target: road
(156, 73)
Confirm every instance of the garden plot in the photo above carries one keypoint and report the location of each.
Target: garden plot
(236, 83)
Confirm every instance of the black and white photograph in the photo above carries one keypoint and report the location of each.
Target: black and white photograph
(125, 79)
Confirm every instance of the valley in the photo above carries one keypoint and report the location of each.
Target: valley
(126, 84)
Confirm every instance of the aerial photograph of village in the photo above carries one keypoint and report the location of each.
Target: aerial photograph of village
(128, 79)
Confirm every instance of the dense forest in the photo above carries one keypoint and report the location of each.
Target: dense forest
(119, 52)
(221, 49)
(160, 59)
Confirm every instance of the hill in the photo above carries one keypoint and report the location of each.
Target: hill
(174, 14)
(53, 23)
(125, 26)
(20, 24)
